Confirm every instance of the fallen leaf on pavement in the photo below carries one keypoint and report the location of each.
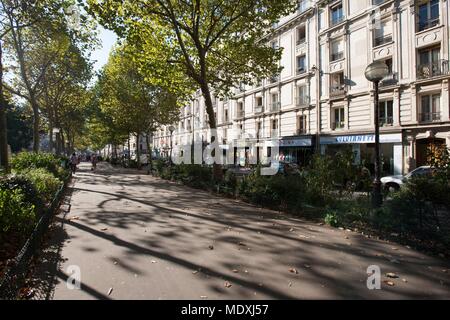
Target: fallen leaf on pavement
(104, 229)
(291, 230)
(293, 270)
(228, 285)
(389, 283)
(74, 218)
(195, 272)
(236, 271)
(203, 297)
(211, 247)
(115, 262)
(391, 275)
(290, 284)
(307, 266)
(153, 261)
(404, 280)
(110, 291)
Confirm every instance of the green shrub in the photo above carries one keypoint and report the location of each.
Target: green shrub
(23, 184)
(46, 184)
(25, 161)
(332, 218)
(16, 214)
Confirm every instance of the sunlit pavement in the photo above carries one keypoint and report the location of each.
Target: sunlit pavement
(133, 236)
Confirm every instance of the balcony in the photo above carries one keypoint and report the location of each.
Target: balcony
(274, 79)
(275, 106)
(302, 101)
(239, 114)
(259, 109)
(431, 70)
(389, 80)
(302, 131)
(430, 117)
(301, 41)
(337, 56)
(427, 24)
(336, 20)
(379, 41)
(337, 91)
(386, 121)
(338, 125)
(301, 70)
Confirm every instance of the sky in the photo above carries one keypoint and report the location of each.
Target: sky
(107, 39)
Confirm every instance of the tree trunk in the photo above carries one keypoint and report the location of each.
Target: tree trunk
(217, 168)
(36, 138)
(138, 151)
(4, 161)
(149, 153)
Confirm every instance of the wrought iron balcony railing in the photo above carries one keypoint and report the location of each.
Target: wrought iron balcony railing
(275, 106)
(431, 70)
(302, 101)
(427, 24)
(336, 91)
(379, 41)
(430, 117)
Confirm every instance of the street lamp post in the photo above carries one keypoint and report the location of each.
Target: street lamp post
(375, 72)
(171, 129)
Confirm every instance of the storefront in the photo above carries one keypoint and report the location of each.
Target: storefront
(296, 150)
(363, 146)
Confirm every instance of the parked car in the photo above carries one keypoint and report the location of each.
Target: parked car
(394, 183)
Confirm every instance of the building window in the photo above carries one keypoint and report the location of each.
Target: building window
(274, 128)
(338, 118)
(386, 113)
(225, 115)
(259, 105)
(240, 110)
(302, 125)
(258, 129)
(302, 96)
(337, 14)
(303, 5)
(275, 105)
(337, 84)
(301, 35)
(430, 108)
(383, 34)
(428, 14)
(301, 64)
(274, 45)
(430, 64)
(337, 50)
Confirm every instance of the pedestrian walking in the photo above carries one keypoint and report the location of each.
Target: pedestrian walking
(94, 161)
(73, 162)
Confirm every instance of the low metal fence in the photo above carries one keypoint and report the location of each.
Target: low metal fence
(18, 270)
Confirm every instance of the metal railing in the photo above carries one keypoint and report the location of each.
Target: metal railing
(16, 273)
(299, 132)
(386, 121)
(337, 91)
(390, 79)
(240, 114)
(302, 101)
(338, 125)
(430, 116)
(337, 20)
(427, 24)
(274, 79)
(301, 70)
(337, 56)
(431, 70)
(382, 40)
(259, 109)
(275, 106)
